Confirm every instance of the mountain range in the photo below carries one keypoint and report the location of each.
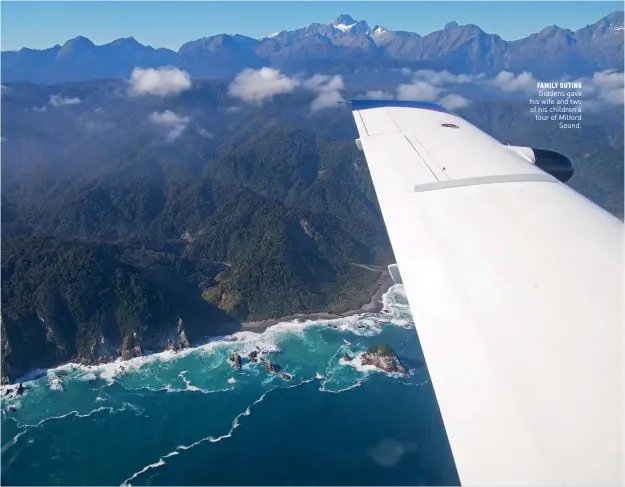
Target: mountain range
(342, 47)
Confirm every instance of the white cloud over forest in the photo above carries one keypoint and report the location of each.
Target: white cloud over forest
(260, 84)
(174, 123)
(59, 100)
(159, 82)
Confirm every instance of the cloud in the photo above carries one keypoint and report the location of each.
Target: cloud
(440, 78)
(260, 84)
(378, 95)
(205, 133)
(453, 102)
(58, 100)
(421, 90)
(5, 90)
(98, 126)
(601, 89)
(509, 82)
(328, 89)
(175, 124)
(326, 99)
(608, 79)
(161, 81)
(614, 97)
(322, 82)
(257, 85)
(607, 86)
(418, 90)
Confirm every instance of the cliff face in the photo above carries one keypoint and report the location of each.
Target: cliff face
(73, 301)
(40, 346)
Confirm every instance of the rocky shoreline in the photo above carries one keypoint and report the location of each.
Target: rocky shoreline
(373, 306)
(180, 340)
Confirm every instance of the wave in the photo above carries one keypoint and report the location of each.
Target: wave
(211, 439)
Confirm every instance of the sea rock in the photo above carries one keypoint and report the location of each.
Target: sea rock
(136, 351)
(347, 358)
(286, 376)
(236, 360)
(56, 384)
(131, 347)
(271, 368)
(383, 357)
(253, 356)
(182, 333)
(20, 389)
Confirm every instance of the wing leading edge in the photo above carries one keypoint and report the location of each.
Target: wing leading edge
(515, 285)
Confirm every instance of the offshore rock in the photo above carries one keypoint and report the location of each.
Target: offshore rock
(271, 368)
(383, 357)
(236, 360)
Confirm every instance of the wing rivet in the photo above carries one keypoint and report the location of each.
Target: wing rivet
(450, 125)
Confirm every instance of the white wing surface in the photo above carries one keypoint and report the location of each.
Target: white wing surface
(515, 285)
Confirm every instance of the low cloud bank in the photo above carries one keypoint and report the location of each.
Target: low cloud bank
(159, 82)
(59, 101)
(601, 89)
(258, 85)
(174, 123)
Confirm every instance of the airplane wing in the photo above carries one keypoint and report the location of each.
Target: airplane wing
(515, 285)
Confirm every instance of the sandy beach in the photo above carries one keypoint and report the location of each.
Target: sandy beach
(373, 306)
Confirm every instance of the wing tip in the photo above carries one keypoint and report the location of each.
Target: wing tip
(363, 104)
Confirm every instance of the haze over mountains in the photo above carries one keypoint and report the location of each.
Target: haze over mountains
(341, 47)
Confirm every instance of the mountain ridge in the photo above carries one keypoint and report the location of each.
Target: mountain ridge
(457, 48)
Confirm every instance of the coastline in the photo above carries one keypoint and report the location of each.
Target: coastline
(373, 306)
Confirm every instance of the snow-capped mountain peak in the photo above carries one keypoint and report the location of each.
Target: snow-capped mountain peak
(378, 30)
(344, 20)
(343, 27)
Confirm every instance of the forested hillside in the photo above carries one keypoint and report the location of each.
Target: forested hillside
(134, 223)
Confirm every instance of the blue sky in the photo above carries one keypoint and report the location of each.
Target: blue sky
(169, 24)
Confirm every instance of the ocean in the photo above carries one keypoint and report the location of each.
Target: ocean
(190, 418)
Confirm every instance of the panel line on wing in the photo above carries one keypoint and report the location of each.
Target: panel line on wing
(501, 178)
(424, 161)
(363, 123)
(437, 169)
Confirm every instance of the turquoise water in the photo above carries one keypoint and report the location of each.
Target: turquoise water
(190, 418)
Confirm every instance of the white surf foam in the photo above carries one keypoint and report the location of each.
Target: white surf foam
(244, 342)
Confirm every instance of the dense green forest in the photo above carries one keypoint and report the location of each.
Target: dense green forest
(117, 240)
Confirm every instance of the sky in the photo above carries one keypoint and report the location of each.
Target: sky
(39, 25)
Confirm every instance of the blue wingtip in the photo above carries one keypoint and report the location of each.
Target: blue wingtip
(424, 105)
